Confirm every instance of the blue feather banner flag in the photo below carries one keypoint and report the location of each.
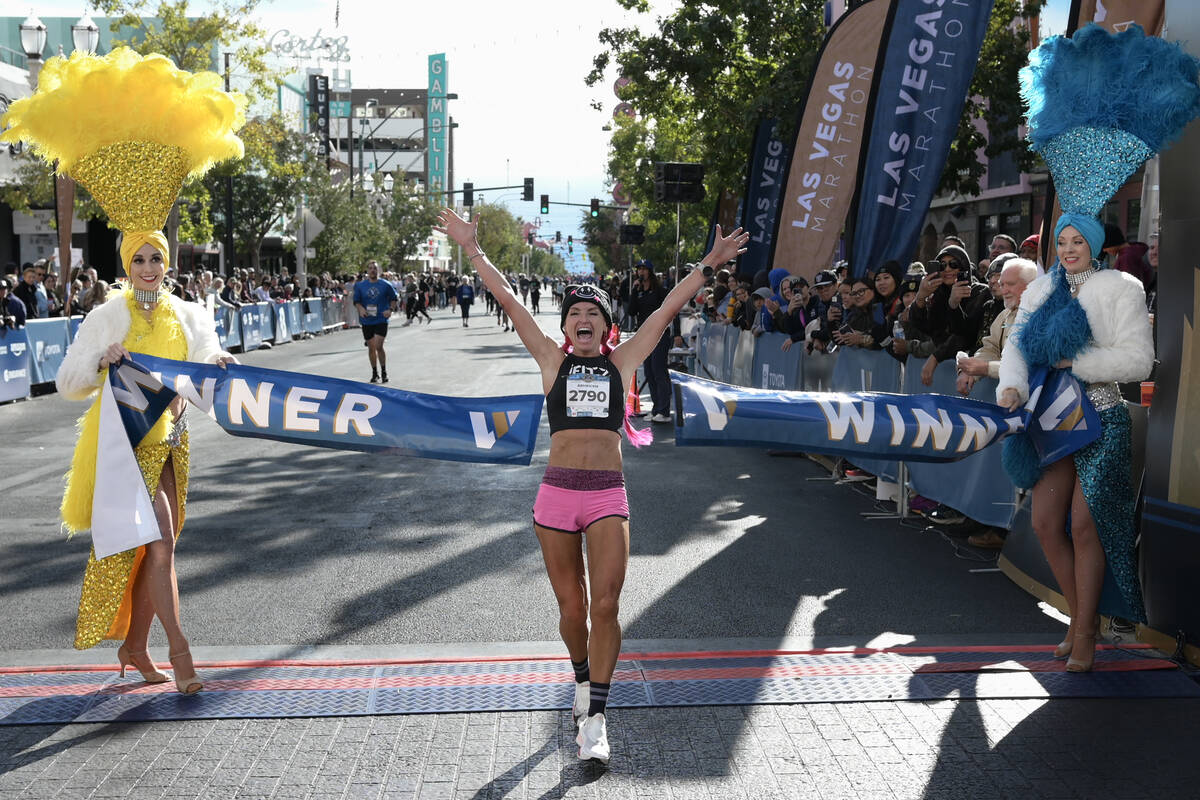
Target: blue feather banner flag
(925, 427)
(330, 412)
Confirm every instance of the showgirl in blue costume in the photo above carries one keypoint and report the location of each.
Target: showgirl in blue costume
(1099, 105)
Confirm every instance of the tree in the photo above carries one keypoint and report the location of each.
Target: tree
(410, 217)
(703, 76)
(602, 235)
(353, 232)
(276, 170)
(543, 262)
(995, 99)
(193, 40)
(499, 236)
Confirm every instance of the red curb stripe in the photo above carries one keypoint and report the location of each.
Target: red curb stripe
(656, 656)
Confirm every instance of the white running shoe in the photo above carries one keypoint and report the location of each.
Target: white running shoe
(660, 418)
(593, 739)
(583, 697)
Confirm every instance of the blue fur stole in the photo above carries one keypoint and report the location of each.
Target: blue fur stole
(1058, 329)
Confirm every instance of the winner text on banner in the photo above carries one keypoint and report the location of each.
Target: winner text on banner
(927, 427)
(335, 413)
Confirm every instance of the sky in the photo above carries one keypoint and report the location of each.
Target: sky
(518, 68)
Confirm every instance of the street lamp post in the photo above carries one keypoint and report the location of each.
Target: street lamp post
(362, 139)
(85, 34)
(33, 42)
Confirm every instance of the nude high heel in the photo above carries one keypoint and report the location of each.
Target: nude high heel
(1079, 665)
(1064, 648)
(189, 685)
(125, 658)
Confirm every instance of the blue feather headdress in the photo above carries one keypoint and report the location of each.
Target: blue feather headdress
(1100, 104)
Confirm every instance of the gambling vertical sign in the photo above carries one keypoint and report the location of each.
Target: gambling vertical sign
(436, 118)
(318, 104)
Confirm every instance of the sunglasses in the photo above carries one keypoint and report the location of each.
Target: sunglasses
(858, 292)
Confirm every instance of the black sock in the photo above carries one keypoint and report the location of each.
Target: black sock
(581, 670)
(599, 699)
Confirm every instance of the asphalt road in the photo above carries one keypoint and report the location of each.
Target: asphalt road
(286, 545)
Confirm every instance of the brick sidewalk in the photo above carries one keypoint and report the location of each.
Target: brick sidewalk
(945, 749)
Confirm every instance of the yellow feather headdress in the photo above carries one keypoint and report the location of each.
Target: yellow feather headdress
(130, 129)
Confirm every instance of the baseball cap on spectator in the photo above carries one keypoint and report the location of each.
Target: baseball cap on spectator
(1112, 236)
(825, 277)
(892, 267)
(910, 284)
(999, 261)
(645, 262)
(916, 268)
(763, 292)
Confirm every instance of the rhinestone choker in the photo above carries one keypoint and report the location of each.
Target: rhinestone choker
(146, 298)
(1078, 279)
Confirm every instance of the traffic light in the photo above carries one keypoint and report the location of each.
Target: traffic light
(468, 194)
(570, 244)
(557, 237)
(545, 205)
(529, 238)
(528, 194)
(595, 207)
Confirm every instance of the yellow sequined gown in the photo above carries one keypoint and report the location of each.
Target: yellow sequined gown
(105, 599)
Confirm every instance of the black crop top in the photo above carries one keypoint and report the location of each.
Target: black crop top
(587, 394)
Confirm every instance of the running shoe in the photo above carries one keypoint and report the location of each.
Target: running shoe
(945, 515)
(593, 739)
(583, 696)
(660, 418)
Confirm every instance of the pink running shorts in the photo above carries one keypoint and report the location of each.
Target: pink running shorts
(569, 500)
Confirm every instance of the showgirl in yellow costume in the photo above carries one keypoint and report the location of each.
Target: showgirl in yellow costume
(131, 130)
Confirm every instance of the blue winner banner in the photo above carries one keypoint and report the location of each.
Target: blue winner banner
(330, 412)
(929, 59)
(925, 427)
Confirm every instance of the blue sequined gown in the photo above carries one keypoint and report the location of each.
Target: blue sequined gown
(1059, 329)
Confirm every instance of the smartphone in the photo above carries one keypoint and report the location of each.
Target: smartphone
(964, 276)
(845, 329)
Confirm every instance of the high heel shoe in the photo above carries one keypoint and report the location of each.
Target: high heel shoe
(1064, 648)
(191, 684)
(1079, 665)
(125, 658)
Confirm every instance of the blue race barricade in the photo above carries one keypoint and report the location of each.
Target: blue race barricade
(332, 310)
(283, 330)
(266, 321)
(251, 325)
(741, 368)
(773, 368)
(14, 364)
(733, 335)
(313, 322)
(295, 324)
(714, 353)
(859, 370)
(816, 369)
(48, 340)
(976, 486)
(233, 329)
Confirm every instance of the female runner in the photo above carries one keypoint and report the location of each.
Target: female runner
(583, 490)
